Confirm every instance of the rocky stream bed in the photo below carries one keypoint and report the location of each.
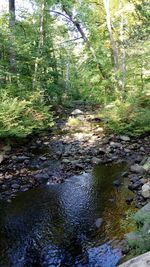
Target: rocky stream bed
(77, 144)
(66, 150)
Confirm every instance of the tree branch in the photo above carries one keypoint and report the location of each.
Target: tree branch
(59, 13)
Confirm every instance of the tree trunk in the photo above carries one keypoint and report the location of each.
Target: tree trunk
(122, 55)
(40, 44)
(112, 41)
(85, 39)
(12, 22)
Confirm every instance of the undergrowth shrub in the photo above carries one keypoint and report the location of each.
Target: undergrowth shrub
(131, 117)
(20, 117)
(141, 243)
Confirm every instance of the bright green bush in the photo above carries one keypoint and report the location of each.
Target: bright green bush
(20, 117)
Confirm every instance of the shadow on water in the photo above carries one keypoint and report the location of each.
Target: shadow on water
(60, 225)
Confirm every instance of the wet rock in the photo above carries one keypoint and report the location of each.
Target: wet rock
(129, 200)
(125, 138)
(21, 159)
(56, 179)
(146, 190)
(41, 177)
(116, 183)
(96, 160)
(114, 158)
(38, 142)
(1, 176)
(43, 158)
(77, 112)
(115, 145)
(125, 174)
(25, 188)
(134, 186)
(146, 166)
(15, 186)
(65, 161)
(134, 179)
(142, 149)
(59, 154)
(79, 166)
(88, 160)
(144, 180)
(126, 150)
(4, 187)
(137, 168)
(94, 151)
(99, 222)
(76, 164)
(8, 176)
(138, 159)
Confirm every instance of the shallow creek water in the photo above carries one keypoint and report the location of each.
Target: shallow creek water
(60, 225)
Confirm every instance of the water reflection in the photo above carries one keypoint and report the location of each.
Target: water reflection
(55, 225)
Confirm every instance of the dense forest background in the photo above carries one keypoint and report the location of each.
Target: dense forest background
(59, 52)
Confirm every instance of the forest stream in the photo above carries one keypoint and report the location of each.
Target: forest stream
(69, 224)
(74, 132)
(65, 199)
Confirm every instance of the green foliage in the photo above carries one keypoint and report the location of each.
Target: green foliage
(127, 222)
(141, 242)
(131, 117)
(66, 54)
(74, 122)
(20, 117)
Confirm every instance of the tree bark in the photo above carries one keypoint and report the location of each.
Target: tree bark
(85, 39)
(122, 55)
(112, 41)
(12, 22)
(40, 43)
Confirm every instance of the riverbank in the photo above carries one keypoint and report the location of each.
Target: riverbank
(76, 144)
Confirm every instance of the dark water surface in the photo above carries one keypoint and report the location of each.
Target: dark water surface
(59, 225)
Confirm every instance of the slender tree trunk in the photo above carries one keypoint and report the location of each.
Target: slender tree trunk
(142, 75)
(112, 41)
(12, 22)
(40, 44)
(122, 55)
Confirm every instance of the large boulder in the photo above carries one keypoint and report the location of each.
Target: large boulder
(140, 261)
